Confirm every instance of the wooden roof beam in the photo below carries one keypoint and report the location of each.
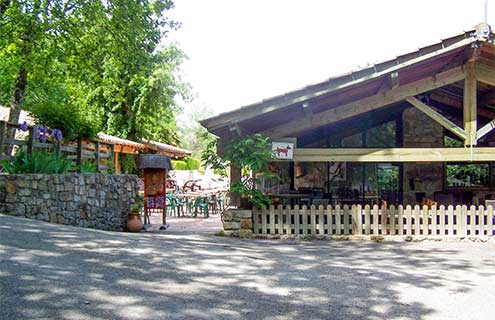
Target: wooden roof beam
(367, 104)
(440, 119)
(393, 154)
(485, 74)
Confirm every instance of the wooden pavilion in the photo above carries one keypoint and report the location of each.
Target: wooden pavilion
(418, 127)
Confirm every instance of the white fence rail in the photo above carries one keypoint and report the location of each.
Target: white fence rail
(356, 220)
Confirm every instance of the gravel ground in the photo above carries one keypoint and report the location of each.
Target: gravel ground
(60, 272)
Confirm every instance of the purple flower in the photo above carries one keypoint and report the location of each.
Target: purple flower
(37, 133)
(23, 126)
(43, 138)
(57, 135)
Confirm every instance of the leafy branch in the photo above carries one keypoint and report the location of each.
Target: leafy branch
(253, 155)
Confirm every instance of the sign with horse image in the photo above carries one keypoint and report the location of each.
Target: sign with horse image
(283, 150)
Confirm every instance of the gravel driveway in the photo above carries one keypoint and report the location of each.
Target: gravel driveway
(61, 272)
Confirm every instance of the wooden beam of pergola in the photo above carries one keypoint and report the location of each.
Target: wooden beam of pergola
(367, 104)
(443, 121)
(394, 154)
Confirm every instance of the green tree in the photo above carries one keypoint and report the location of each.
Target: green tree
(98, 60)
(193, 136)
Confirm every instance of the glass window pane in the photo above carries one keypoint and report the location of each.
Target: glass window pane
(472, 175)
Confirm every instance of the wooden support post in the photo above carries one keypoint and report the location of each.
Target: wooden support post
(111, 158)
(469, 105)
(79, 156)
(58, 149)
(97, 155)
(3, 131)
(30, 145)
(235, 176)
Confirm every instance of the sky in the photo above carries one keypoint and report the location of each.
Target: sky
(242, 51)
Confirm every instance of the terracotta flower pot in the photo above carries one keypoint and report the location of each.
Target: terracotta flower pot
(134, 223)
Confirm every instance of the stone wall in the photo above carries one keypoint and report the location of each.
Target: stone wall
(93, 200)
(420, 131)
(238, 223)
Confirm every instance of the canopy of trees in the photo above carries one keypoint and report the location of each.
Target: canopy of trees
(84, 66)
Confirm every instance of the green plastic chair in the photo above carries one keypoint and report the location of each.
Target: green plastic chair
(201, 203)
(185, 202)
(173, 205)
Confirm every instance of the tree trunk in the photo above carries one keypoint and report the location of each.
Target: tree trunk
(16, 103)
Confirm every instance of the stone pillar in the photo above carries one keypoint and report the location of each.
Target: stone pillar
(420, 131)
(238, 223)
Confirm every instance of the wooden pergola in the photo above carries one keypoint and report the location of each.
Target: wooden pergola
(452, 82)
(124, 146)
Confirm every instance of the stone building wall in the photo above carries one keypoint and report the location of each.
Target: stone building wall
(420, 131)
(93, 200)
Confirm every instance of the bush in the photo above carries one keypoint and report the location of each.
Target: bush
(186, 164)
(87, 167)
(69, 119)
(39, 162)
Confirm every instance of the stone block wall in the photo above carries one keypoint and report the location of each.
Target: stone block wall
(92, 200)
(420, 131)
(238, 223)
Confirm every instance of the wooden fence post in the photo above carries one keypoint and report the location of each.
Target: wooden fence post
(3, 128)
(111, 161)
(97, 155)
(58, 149)
(79, 156)
(30, 145)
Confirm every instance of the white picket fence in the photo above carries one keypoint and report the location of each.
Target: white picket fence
(356, 220)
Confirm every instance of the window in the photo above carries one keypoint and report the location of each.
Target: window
(472, 175)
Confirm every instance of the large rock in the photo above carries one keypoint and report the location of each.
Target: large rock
(231, 226)
(246, 224)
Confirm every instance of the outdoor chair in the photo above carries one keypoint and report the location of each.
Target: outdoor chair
(221, 201)
(201, 203)
(212, 204)
(173, 205)
(186, 203)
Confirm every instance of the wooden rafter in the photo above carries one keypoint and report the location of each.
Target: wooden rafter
(443, 121)
(485, 74)
(367, 104)
(393, 154)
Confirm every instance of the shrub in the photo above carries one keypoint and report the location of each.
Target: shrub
(87, 167)
(67, 118)
(39, 162)
(186, 164)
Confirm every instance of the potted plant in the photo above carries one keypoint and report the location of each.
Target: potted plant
(134, 223)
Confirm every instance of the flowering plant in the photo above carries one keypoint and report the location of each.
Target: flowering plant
(42, 133)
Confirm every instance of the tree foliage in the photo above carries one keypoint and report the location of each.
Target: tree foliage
(101, 62)
(253, 154)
